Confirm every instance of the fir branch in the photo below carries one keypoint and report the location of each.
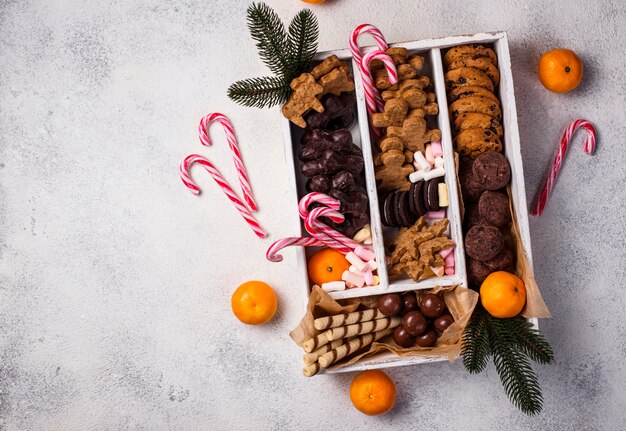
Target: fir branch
(260, 92)
(528, 340)
(270, 36)
(303, 33)
(475, 346)
(518, 378)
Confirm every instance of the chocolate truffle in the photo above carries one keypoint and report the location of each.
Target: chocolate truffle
(483, 242)
(427, 339)
(410, 301)
(442, 322)
(491, 170)
(431, 305)
(390, 304)
(415, 323)
(494, 208)
(402, 337)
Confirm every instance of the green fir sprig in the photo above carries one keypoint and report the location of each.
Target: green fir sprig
(287, 53)
(512, 343)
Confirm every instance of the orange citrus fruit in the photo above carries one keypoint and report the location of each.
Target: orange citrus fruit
(254, 303)
(372, 392)
(314, 1)
(503, 294)
(560, 70)
(327, 265)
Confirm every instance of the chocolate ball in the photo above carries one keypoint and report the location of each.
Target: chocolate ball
(390, 304)
(410, 301)
(427, 339)
(431, 305)
(415, 323)
(402, 337)
(442, 322)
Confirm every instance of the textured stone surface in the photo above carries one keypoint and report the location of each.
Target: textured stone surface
(115, 281)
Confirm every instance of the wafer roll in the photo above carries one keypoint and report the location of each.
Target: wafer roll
(329, 358)
(311, 370)
(315, 343)
(347, 319)
(310, 358)
(360, 328)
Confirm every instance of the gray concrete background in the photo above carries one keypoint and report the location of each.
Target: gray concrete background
(115, 281)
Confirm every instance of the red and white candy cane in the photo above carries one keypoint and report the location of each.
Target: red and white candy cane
(322, 231)
(373, 102)
(365, 29)
(272, 252)
(590, 146)
(201, 160)
(234, 149)
(324, 199)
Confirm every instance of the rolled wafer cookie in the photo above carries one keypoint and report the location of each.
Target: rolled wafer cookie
(329, 358)
(311, 370)
(310, 358)
(361, 328)
(347, 319)
(315, 343)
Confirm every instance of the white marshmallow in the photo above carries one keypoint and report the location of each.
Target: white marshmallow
(334, 286)
(417, 176)
(422, 163)
(439, 162)
(434, 173)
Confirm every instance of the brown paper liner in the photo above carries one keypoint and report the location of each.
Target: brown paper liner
(459, 300)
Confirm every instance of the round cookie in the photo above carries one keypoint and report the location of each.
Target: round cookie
(477, 271)
(474, 142)
(504, 261)
(479, 104)
(475, 51)
(494, 208)
(431, 194)
(481, 63)
(476, 120)
(483, 242)
(395, 218)
(470, 189)
(467, 76)
(491, 170)
(405, 217)
(471, 217)
(387, 211)
(417, 199)
(468, 91)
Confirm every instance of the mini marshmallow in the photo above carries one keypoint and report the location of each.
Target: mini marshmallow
(439, 162)
(449, 270)
(420, 160)
(368, 277)
(439, 270)
(446, 251)
(428, 151)
(436, 148)
(417, 176)
(436, 214)
(356, 261)
(433, 173)
(364, 253)
(363, 234)
(353, 269)
(334, 286)
(449, 259)
(352, 278)
(376, 280)
(373, 264)
(368, 241)
(443, 194)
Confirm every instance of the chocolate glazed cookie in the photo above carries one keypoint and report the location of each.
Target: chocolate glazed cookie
(491, 170)
(483, 242)
(494, 208)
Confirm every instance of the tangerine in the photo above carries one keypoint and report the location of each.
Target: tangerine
(560, 70)
(254, 302)
(373, 393)
(314, 1)
(327, 265)
(503, 294)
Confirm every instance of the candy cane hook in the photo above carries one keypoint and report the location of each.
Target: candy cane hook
(272, 252)
(324, 199)
(234, 149)
(365, 29)
(373, 102)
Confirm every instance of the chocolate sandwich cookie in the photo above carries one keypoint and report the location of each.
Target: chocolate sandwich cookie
(481, 63)
(483, 242)
(469, 91)
(474, 142)
(491, 170)
(476, 120)
(416, 199)
(494, 208)
(405, 216)
(472, 50)
(387, 216)
(431, 194)
(480, 104)
(467, 76)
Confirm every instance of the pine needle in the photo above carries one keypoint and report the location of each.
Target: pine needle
(475, 343)
(303, 34)
(260, 92)
(529, 340)
(268, 32)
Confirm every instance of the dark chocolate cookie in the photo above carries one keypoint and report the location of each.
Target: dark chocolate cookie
(477, 271)
(483, 242)
(471, 217)
(494, 208)
(504, 261)
(470, 189)
(491, 170)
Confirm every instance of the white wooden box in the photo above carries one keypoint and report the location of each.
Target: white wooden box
(431, 49)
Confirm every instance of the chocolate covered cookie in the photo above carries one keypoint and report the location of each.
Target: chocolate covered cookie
(491, 170)
(494, 208)
(483, 242)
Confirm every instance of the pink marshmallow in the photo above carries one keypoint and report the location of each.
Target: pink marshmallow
(368, 277)
(364, 253)
(356, 261)
(449, 259)
(436, 149)
(436, 214)
(352, 278)
(446, 252)
(428, 152)
(449, 270)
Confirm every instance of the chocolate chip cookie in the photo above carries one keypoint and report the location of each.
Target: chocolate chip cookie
(464, 76)
(475, 51)
(474, 142)
(468, 91)
(476, 120)
(481, 63)
(480, 104)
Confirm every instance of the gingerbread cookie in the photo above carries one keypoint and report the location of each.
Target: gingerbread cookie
(491, 170)
(405, 71)
(414, 133)
(303, 98)
(411, 90)
(464, 76)
(474, 142)
(391, 171)
(475, 120)
(480, 104)
(394, 113)
(475, 51)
